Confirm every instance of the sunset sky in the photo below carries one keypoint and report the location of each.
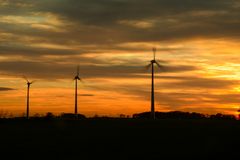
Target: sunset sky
(111, 40)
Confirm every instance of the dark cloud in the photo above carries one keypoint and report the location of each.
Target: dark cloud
(6, 89)
(86, 95)
(16, 7)
(98, 22)
(201, 83)
(54, 70)
(107, 11)
(24, 50)
(172, 19)
(95, 27)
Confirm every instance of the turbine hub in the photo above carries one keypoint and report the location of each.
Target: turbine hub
(77, 77)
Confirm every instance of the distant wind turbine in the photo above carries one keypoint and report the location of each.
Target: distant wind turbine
(76, 78)
(28, 92)
(152, 62)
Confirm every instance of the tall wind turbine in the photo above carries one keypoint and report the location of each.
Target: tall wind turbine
(28, 93)
(76, 78)
(152, 62)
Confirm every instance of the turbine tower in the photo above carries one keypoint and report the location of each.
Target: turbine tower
(28, 93)
(152, 62)
(76, 78)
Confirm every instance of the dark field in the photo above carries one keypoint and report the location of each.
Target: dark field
(119, 139)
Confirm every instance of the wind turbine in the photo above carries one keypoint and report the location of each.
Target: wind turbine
(152, 62)
(76, 78)
(28, 92)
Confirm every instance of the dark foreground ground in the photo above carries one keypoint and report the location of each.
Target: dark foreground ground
(119, 139)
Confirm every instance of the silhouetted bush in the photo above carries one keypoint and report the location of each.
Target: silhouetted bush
(49, 115)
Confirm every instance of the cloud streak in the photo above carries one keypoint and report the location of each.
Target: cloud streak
(6, 89)
(44, 70)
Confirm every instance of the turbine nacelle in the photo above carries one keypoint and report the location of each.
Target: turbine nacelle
(77, 78)
(153, 61)
(28, 82)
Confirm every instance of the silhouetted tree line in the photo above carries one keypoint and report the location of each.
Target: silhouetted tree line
(144, 115)
(48, 116)
(51, 116)
(183, 115)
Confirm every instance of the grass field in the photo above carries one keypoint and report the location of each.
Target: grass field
(119, 139)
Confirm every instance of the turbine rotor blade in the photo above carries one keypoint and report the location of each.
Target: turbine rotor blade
(148, 66)
(77, 70)
(80, 79)
(162, 61)
(154, 52)
(24, 77)
(77, 78)
(32, 82)
(159, 65)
